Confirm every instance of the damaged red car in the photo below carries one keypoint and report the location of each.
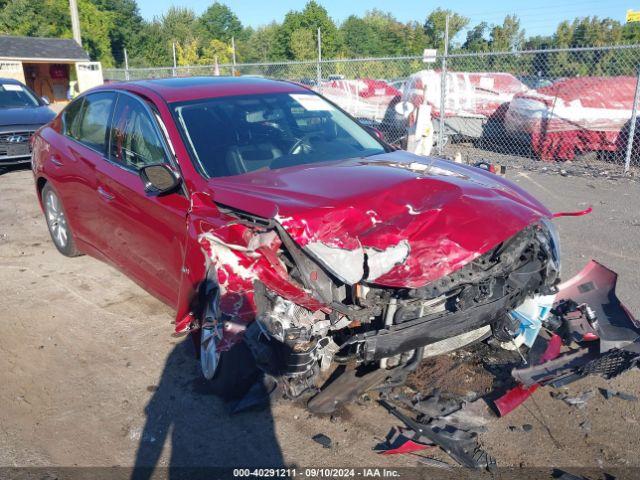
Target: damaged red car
(292, 242)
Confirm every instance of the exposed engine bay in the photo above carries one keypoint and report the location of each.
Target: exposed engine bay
(370, 326)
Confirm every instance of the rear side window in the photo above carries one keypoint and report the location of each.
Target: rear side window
(71, 119)
(92, 128)
(135, 141)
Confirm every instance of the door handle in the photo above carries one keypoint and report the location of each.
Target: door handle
(105, 194)
(55, 159)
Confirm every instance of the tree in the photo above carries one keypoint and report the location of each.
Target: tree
(216, 49)
(261, 44)
(150, 48)
(312, 17)
(125, 26)
(357, 37)
(304, 44)
(220, 23)
(96, 25)
(508, 36)
(187, 53)
(51, 18)
(434, 26)
(380, 33)
(477, 38)
(178, 25)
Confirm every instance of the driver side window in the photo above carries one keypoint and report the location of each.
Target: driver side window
(134, 141)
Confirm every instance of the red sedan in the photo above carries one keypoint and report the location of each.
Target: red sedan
(289, 238)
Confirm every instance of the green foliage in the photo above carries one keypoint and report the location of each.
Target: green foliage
(434, 27)
(51, 18)
(380, 34)
(125, 25)
(304, 44)
(260, 45)
(311, 18)
(220, 23)
(95, 28)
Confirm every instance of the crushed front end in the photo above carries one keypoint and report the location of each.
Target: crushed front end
(309, 320)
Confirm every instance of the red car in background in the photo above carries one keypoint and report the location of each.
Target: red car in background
(288, 238)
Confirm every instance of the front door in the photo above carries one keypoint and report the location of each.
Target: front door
(146, 232)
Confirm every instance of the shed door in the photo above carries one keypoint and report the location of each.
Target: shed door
(89, 75)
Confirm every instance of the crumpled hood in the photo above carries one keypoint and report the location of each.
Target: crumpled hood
(396, 219)
(26, 116)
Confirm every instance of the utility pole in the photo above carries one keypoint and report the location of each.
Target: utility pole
(75, 21)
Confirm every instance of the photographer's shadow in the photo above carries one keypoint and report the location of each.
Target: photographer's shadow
(186, 417)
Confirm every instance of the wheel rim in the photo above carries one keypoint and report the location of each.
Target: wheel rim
(56, 220)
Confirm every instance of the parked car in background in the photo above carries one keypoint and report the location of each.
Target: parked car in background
(288, 238)
(21, 114)
(573, 116)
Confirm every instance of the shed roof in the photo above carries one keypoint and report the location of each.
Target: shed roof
(40, 48)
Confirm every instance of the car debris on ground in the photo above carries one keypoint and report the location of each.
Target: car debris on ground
(579, 338)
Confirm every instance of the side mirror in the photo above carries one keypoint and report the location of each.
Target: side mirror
(159, 178)
(46, 100)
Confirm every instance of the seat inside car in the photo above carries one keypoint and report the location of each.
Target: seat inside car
(252, 151)
(228, 146)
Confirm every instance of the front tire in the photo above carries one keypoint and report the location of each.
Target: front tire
(57, 223)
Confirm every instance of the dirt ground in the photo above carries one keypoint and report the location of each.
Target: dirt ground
(91, 376)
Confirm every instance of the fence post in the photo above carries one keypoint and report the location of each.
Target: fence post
(632, 126)
(443, 86)
(173, 46)
(319, 66)
(233, 55)
(126, 65)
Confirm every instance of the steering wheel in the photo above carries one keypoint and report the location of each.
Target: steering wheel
(300, 142)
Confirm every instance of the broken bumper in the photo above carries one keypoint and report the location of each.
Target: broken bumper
(605, 337)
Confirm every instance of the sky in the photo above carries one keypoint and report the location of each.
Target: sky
(537, 18)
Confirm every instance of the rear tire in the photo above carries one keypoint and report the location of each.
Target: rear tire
(57, 222)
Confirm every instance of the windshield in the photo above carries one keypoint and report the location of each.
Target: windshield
(13, 95)
(235, 135)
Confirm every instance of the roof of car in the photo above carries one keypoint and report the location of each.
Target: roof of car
(180, 89)
(12, 81)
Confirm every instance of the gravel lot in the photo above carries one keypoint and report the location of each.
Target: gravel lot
(91, 376)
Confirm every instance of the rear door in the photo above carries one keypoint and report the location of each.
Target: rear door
(72, 164)
(146, 233)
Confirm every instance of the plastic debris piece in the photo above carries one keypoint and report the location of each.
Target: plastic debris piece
(432, 462)
(460, 445)
(573, 214)
(517, 395)
(531, 315)
(527, 427)
(585, 425)
(323, 440)
(579, 401)
(408, 446)
(609, 394)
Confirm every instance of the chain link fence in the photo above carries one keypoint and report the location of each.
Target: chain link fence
(563, 105)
